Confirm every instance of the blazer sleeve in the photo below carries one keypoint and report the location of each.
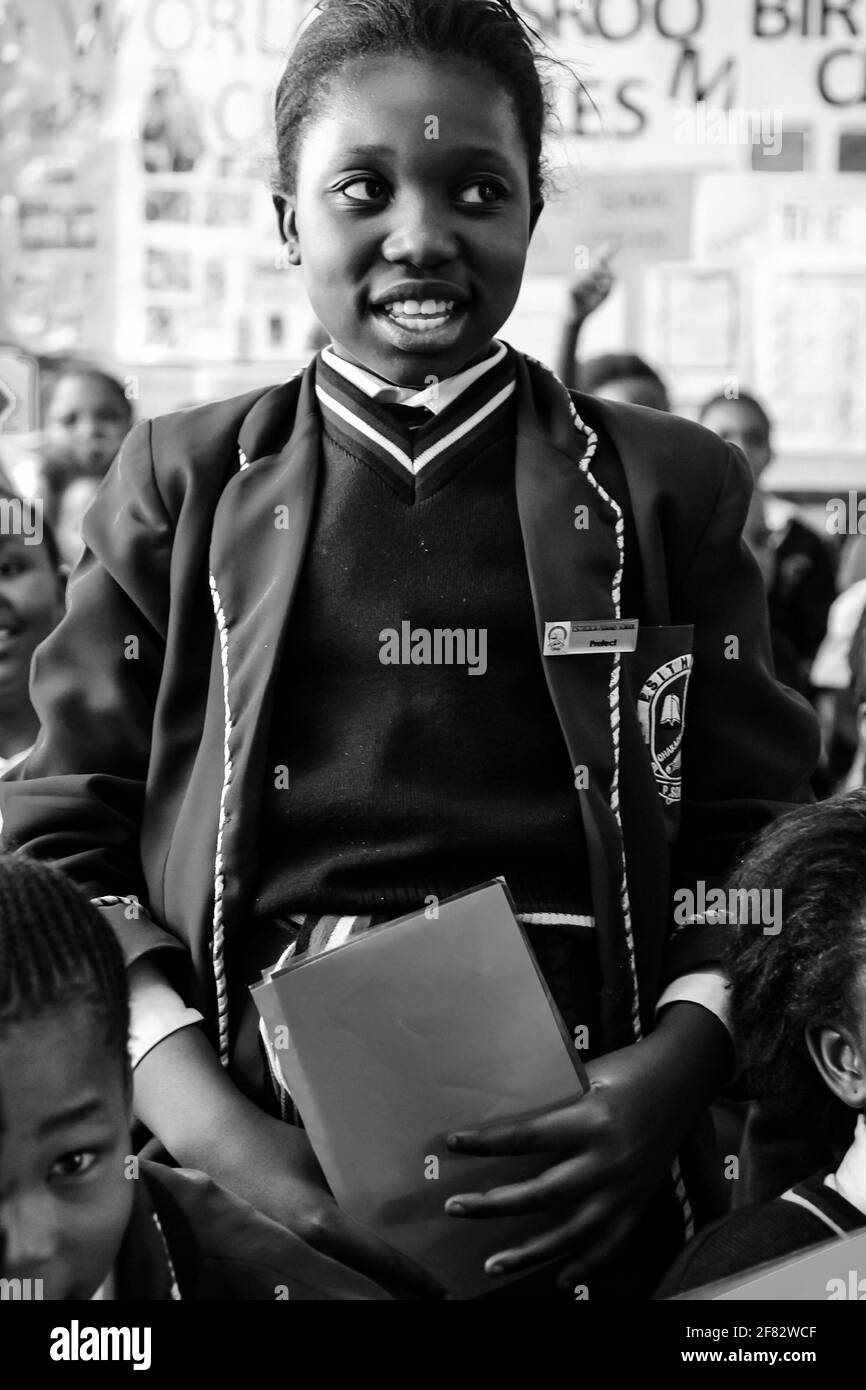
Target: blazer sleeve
(77, 799)
(751, 744)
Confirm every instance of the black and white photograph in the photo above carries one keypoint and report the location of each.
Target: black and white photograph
(432, 674)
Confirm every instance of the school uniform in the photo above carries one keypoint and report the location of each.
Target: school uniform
(831, 1202)
(224, 754)
(188, 1238)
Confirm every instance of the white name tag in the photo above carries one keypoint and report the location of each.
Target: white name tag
(605, 636)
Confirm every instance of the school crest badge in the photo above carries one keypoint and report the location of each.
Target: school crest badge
(661, 708)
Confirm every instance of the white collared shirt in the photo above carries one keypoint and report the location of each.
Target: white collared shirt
(435, 397)
(849, 1179)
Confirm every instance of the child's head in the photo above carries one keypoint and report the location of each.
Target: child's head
(409, 176)
(87, 417)
(64, 1084)
(742, 421)
(798, 992)
(623, 376)
(31, 593)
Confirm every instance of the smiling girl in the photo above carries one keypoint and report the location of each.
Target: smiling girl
(247, 772)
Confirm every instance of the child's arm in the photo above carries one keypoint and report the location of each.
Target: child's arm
(586, 291)
(616, 1143)
(268, 1163)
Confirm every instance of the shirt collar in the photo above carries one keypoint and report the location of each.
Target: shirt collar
(849, 1180)
(435, 397)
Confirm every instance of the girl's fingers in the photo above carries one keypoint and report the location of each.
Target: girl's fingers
(566, 1184)
(568, 1128)
(561, 1240)
(595, 1231)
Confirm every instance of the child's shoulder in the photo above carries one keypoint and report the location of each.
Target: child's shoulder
(657, 432)
(256, 413)
(664, 453)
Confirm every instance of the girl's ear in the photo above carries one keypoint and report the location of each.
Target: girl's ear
(287, 226)
(841, 1063)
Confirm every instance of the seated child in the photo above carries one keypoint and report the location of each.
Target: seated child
(77, 1211)
(799, 1014)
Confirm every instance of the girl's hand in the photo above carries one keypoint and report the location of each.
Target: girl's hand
(275, 1172)
(614, 1144)
(188, 1101)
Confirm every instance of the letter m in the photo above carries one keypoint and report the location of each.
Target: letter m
(10, 1289)
(687, 75)
(746, 903)
(453, 646)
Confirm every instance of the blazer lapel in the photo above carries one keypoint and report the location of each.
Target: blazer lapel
(574, 559)
(260, 531)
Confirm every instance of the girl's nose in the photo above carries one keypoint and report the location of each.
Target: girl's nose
(28, 1235)
(421, 234)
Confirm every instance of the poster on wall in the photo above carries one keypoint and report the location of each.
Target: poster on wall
(810, 362)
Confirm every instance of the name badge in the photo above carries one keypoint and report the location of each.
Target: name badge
(605, 636)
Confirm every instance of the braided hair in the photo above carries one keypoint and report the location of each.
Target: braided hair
(56, 952)
(806, 975)
(487, 33)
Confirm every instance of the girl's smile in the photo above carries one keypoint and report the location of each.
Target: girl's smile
(412, 215)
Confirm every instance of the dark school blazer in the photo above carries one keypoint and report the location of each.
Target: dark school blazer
(188, 1238)
(155, 690)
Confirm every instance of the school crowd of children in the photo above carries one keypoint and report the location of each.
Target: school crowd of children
(237, 566)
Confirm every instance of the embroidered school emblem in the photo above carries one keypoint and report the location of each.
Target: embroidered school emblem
(661, 709)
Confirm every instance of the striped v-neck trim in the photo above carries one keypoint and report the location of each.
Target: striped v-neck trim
(377, 434)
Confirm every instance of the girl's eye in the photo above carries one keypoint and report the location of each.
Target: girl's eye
(73, 1165)
(483, 193)
(11, 569)
(371, 190)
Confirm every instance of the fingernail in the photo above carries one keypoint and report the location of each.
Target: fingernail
(494, 1267)
(455, 1207)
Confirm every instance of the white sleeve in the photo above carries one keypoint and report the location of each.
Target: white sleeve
(155, 1010)
(709, 988)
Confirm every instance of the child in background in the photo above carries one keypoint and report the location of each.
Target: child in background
(76, 1210)
(797, 565)
(616, 376)
(798, 1002)
(87, 418)
(258, 768)
(32, 586)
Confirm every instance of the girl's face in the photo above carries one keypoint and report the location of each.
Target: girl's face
(412, 215)
(65, 1201)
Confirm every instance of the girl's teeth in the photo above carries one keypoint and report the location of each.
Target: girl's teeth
(413, 308)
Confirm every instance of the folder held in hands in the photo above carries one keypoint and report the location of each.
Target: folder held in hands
(438, 1021)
